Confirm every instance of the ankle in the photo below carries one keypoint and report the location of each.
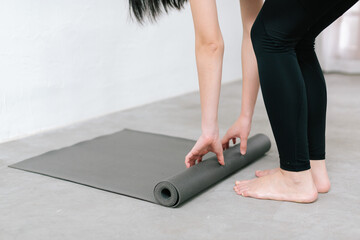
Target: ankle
(299, 177)
(317, 164)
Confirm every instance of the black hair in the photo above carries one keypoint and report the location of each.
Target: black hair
(152, 9)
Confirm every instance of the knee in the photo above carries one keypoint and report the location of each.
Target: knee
(265, 40)
(262, 42)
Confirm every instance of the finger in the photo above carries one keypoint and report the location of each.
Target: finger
(220, 158)
(228, 144)
(234, 140)
(187, 164)
(193, 160)
(189, 159)
(225, 145)
(199, 159)
(243, 145)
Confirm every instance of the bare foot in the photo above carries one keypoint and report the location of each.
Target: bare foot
(318, 171)
(281, 185)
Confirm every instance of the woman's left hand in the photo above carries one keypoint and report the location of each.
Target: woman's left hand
(205, 143)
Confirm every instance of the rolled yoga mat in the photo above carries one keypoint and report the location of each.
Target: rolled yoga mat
(143, 165)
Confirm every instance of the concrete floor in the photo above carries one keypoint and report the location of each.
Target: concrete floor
(37, 207)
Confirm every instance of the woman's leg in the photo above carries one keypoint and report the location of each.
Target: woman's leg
(316, 95)
(280, 25)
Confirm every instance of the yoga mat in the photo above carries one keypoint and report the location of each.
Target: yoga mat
(142, 165)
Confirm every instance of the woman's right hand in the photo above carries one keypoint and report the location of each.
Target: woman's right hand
(240, 129)
(206, 143)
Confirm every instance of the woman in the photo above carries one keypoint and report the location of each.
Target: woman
(291, 81)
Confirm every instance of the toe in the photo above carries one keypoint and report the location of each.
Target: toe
(258, 173)
(242, 189)
(245, 193)
(237, 190)
(240, 183)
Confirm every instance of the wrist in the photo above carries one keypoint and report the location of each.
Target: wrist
(247, 115)
(210, 130)
(245, 118)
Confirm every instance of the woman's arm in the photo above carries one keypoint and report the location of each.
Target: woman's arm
(250, 86)
(209, 51)
(250, 82)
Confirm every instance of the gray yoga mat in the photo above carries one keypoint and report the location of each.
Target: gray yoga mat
(142, 165)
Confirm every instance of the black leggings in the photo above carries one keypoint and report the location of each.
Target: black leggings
(292, 83)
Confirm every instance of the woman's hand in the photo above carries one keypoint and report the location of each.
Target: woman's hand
(206, 143)
(240, 129)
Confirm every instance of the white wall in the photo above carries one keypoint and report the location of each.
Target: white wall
(338, 46)
(64, 61)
